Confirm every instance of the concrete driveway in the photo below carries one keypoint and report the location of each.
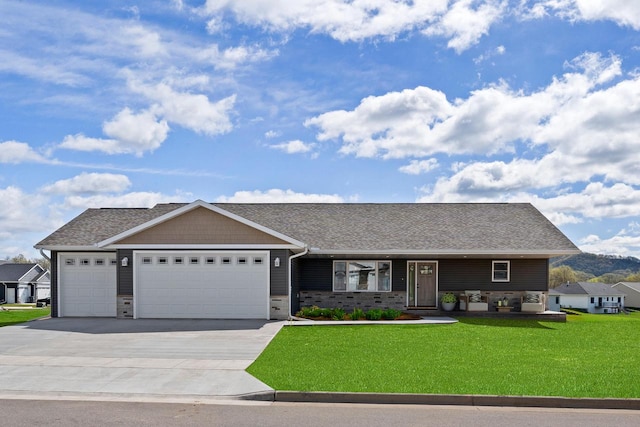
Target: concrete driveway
(128, 358)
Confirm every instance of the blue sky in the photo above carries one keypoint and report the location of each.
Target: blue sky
(129, 104)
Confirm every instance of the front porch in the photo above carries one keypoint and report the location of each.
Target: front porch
(545, 316)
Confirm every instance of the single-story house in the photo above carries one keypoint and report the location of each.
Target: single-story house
(631, 291)
(228, 260)
(593, 297)
(23, 283)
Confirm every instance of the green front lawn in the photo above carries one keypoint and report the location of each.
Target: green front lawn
(589, 356)
(12, 317)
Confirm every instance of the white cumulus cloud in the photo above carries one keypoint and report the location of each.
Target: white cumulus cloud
(462, 22)
(19, 152)
(294, 147)
(417, 167)
(89, 183)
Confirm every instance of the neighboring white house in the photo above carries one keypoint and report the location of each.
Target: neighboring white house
(632, 292)
(20, 283)
(593, 297)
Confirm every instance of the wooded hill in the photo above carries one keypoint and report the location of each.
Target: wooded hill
(598, 265)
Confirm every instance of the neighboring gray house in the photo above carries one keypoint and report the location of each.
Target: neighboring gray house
(593, 297)
(22, 283)
(216, 260)
(631, 291)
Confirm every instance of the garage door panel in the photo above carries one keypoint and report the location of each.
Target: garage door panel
(87, 287)
(200, 290)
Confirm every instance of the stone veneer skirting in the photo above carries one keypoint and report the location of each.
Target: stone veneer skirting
(125, 307)
(350, 300)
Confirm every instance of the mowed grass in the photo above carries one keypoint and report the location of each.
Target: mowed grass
(12, 317)
(588, 356)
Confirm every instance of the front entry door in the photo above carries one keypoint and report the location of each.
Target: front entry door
(423, 287)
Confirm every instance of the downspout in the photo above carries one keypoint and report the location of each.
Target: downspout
(45, 255)
(306, 251)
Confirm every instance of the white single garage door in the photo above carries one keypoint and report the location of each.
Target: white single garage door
(87, 285)
(205, 285)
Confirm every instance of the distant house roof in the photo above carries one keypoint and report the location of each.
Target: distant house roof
(13, 272)
(585, 288)
(631, 285)
(454, 229)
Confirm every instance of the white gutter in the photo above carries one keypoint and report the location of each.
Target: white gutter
(306, 251)
(44, 255)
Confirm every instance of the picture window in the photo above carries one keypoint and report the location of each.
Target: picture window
(362, 276)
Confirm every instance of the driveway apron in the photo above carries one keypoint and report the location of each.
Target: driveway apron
(177, 358)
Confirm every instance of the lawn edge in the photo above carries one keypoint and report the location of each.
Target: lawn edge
(447, 399)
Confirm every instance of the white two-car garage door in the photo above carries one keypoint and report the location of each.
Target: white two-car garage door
(87, 285)
(207, 285)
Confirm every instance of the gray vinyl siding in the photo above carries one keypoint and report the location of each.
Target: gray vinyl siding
(526, 275)
(54, 284)
(279, 275)
(125, 274)
(316, 274)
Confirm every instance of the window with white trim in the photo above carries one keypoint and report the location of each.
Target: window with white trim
(226, 260)
(194, 260)
(500, 271)
(113, 261)
(241, 260)
(163, 260)
(257, 260)
(85, 261)
(178, 260)
(210, 260)
(70, 261)
(146, 260)
(362, 276)
(98, 261)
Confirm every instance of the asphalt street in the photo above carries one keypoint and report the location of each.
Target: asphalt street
(97, 413)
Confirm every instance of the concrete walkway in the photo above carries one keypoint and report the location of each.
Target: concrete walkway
(118, 357)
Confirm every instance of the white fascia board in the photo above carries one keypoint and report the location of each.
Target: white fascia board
(189, 207)
(202, 247)
(446, 252)
(59, 248)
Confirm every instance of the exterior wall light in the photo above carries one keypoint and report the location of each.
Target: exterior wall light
(276, 262)
(125, 262)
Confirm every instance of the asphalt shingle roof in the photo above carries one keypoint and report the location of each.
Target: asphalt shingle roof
(451, 227)
(12, 272)
(585, 288)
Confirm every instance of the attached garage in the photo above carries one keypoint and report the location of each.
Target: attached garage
(87, 284)
(201, 284)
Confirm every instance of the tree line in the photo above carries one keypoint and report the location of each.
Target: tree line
(21, 259)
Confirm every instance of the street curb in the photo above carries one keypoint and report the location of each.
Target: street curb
(446, 399)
